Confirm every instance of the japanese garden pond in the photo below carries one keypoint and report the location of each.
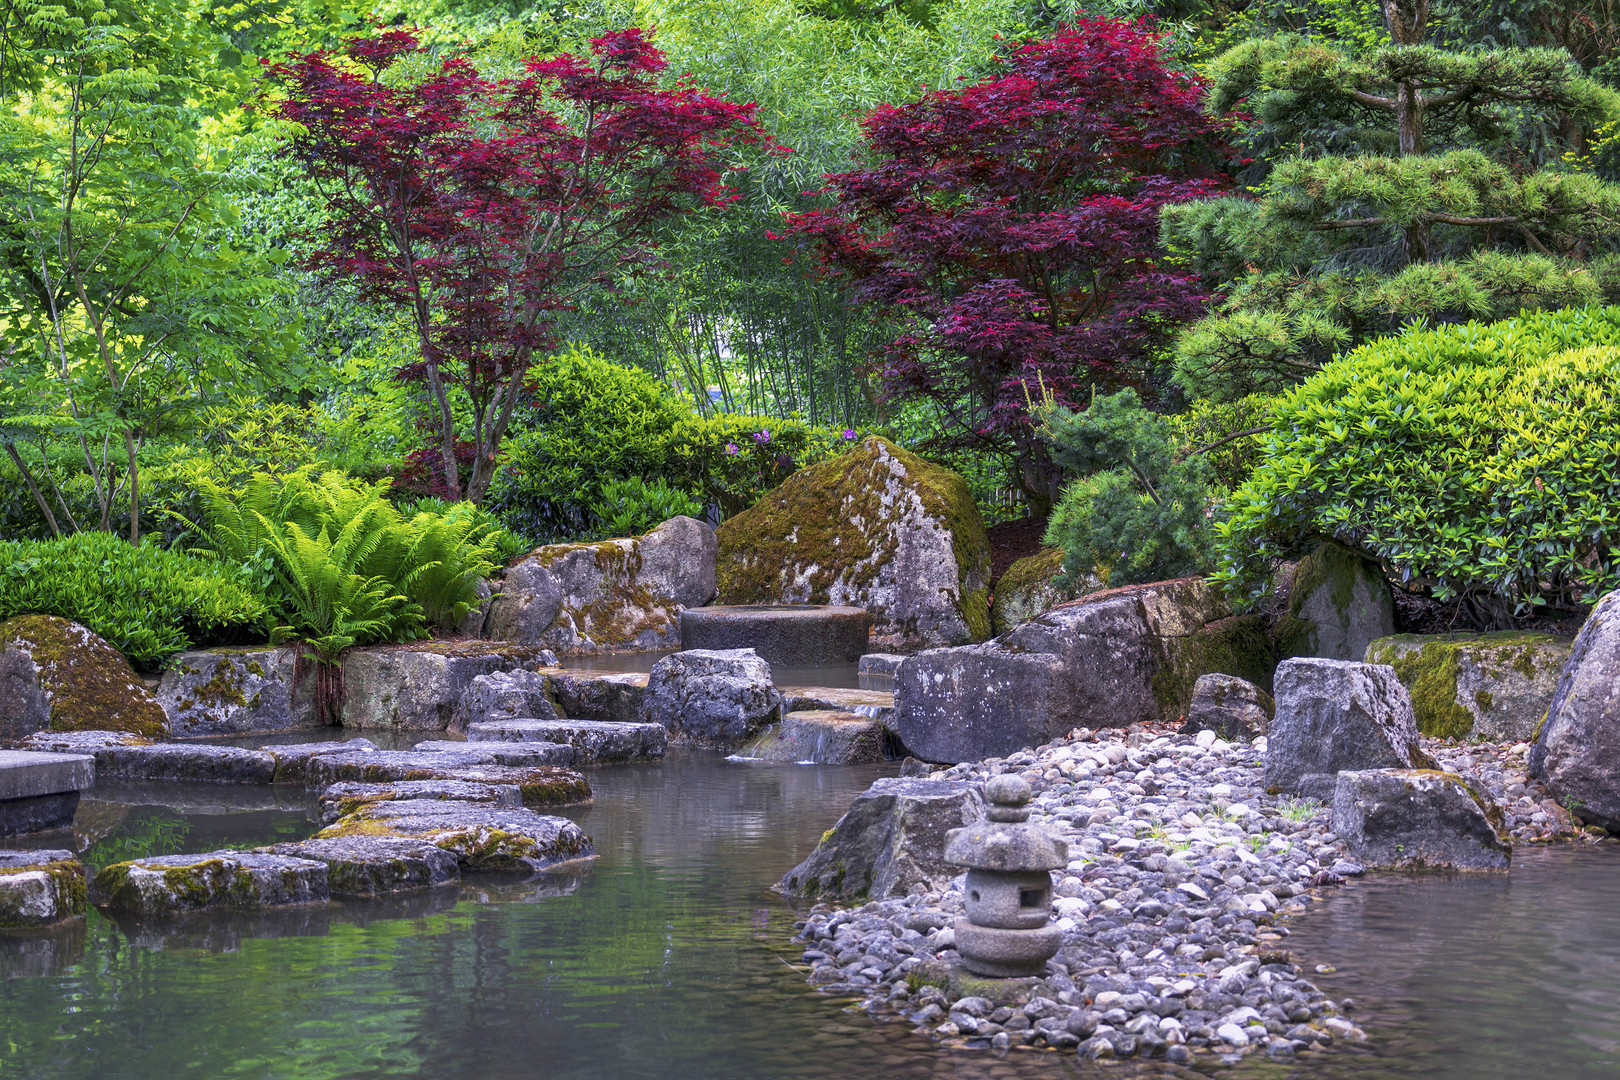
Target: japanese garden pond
(668, 956)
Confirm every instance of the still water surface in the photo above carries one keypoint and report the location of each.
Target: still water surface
(668, 957)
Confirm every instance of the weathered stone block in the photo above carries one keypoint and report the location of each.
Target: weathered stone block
(366, 866)
(1028, 589)
(292, 759)
(537, 752)
(891, 839)
(593, 740)
(230, 691)
(55, 675)
(39, 888)
(1484, 686)
(482, 836)
(875, 528)
(1577, 749)
(419, 687)
(541, 785)
(1338, 604)
(715, 698)
(1233, 708)
(616, 697)
(624, 594)
(171, 884)
(40, 791)
(821, 736)
(1416, 819)
(343, 799)
(877, 704)
(128, 757)
(1338, 715)
(806, 635)
(503, 695)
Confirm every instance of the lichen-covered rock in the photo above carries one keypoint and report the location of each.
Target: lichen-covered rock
(1418, 819)
(55, 675)
(1231, 707)
(232, 691)
(366, 866)
(1338, 604)
(1028, 588)
(876, 528)
(38, 888)
(172, 884)
(614, 697)
(1483, 686)
(420, 687)
(821, 736)
(502, 695)
(482, 836)
(594, 740)
(623, 594)
(891, 840)
(537, 752)
(719, 698)
(1335, 716)
(1577, 749)
(541, 785)
(123, 756)
(341, 800)
(1110, 659)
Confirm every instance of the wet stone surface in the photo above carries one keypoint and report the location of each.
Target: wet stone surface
(345, 798)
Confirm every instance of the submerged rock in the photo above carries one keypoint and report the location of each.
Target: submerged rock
(623, 594)
(482, 836)
(364, 866)
(1577, 749)
(542, 785)
(891, 840)
(343, 799)
(1415, 819)
(1231, 707)
(592, 740)
(171, 884)
(1337, 715)
(1338, 604)
(1491, 686)
(876, 528)
(58, 676)
(717, 698)
(822, 736)
(229, 691)
(39, 888)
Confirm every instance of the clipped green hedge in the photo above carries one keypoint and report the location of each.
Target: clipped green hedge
(1476, 461)
(146, 601)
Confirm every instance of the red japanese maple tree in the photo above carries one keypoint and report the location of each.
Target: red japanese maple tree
(1010, 229)
(482, 207)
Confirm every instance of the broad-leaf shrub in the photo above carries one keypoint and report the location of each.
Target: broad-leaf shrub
(1477, 462)
(633, 506)
(146, 601)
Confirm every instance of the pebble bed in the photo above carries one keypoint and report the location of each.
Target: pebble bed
(1182, 873)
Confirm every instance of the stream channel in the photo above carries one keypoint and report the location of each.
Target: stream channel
(668, 957)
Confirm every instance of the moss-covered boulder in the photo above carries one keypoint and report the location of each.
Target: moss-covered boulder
(1338, 604)
(55, 675)
(175, 884)
(38, 888)
(1482, 686)
(420, 686)
(1028, 588)
(237, 691)
(1237, 645)
(482, 836)
(877, 528)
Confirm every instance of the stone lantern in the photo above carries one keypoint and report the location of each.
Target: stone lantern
(1009, 892)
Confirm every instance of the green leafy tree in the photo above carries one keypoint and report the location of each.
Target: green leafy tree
(1403, 188)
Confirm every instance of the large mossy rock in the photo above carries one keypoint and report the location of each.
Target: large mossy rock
(624, 594)
(237, 691)
(1482, 686)
(1110, 659)
(1577, 748)
(1028, 589)
(55, 675)
(877, 528)
(174, 884)
(420, 687)
(1338, 604)
(39, 888)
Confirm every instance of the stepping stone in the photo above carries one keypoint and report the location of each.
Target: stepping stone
(172, 884)
(359, 866)
(538, 752)
(40, 791)
(292, 759)
(482, 836)
(121, 756)
(595, 740)
(38, 888)
(821, 736)
(340, 800)
(877, 704)
(616, 697)
(542, 785)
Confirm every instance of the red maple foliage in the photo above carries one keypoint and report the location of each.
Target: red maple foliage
(483, 207)
(1010, 227)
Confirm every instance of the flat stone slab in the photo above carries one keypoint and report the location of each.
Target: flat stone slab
(27, 773)
(363, 866)
(121, 756)
(38, 888)
(878, 704)
(808, 635)
(594, 740)
(171, 884)
(528, 753)
(482, 836)
(292, 759)
(340, 800)
(821, 737)
(541, 785)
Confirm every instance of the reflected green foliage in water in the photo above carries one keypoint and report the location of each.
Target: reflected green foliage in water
(157, 833)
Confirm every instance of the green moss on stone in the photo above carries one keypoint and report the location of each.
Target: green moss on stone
(1236, 646)
(67, 881)
(1021, 579)
(1428, 666)
(1329, 563)
(90, 685)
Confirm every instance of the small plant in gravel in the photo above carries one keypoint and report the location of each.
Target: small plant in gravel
(1299, 809)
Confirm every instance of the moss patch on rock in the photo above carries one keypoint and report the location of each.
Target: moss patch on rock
(833, 533)
(41, 893)
(1237, 645)
(88, 684)
(1444, 673)
(1028, 589)
(1337, 602)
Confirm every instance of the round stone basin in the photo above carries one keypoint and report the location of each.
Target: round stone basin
(804, 635)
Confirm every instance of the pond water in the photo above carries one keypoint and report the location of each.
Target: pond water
(668, 957)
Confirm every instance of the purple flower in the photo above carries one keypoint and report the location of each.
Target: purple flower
(731, 448)
(849, 433)
(762, 436)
